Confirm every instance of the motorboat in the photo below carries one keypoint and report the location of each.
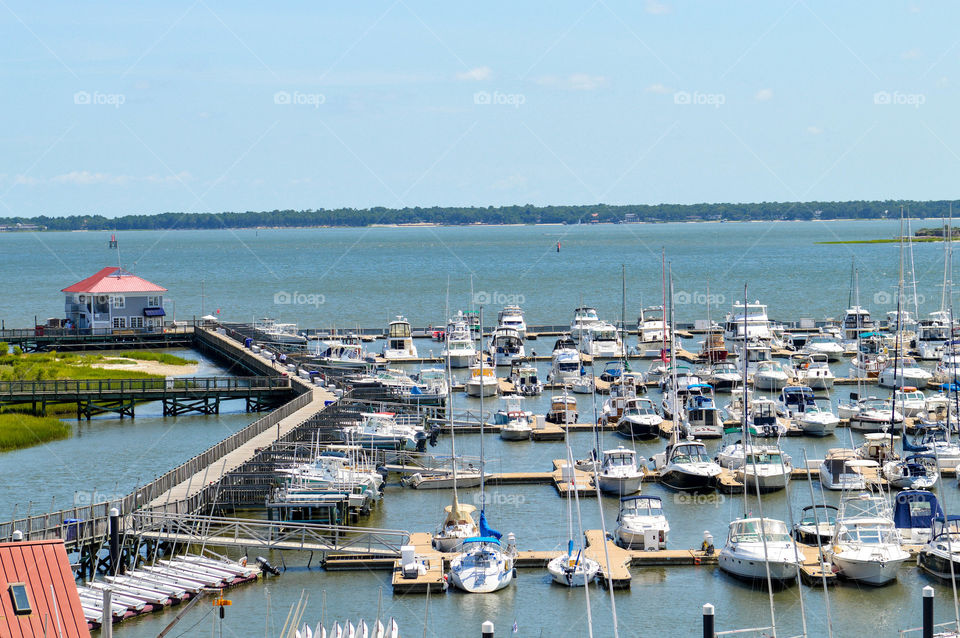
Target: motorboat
(913, 472)
(871, 356)
(686, 383)
(825, 344)
(506, 346)
(813, 370)
(758, 548)
(272, 331)
(906, 372)
(399, 345)
(563, 410)
(940, 556)
(457, 526)
(701, 418)
(565, 362)
(686, 466)
(752, 354)
(724, 376)
(713, 349)
(817, 419)
(794, 400)
(512, 317)
(602, 341)
(518, 428)
(948, 365)
(856, 320)
(879, 447)
(765, 468)
(432, 381)
(573, 568)
(652, 327)
(641, 523)
(866, 547)
(619, 473)
(525, 378)
(841, 470)
(626, 388)
(875, 415)
(380, 430)
(333, 470)
(482, 565)
(460, 349)
(751, 318)
(762, 418)
(935, 440)
(584, 384)
(482, 382)
(914, 511)
(911, 402)
(816, 525)
(345, 352)
(583, 318)
(639, 419)
(770, 375)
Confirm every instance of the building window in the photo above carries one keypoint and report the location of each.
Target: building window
(119, 302)
(153, 302)
(119, 322)
(136, 322)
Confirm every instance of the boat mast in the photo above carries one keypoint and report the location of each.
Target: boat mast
(677, 421)
(623, 314)
(898, 342)
(483, 459)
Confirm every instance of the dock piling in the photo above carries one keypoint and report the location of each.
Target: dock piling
(486, 630)
(708, 621)
(928, 612)
(115, 541)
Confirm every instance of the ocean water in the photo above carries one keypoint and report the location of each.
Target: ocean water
(363, 277)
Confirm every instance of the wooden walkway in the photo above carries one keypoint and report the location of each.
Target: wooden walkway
(245, 452)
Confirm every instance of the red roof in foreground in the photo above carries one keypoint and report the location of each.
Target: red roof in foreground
(111, 280)
(43, 567)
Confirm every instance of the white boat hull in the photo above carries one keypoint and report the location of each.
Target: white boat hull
(871, 572)
(579, 576)
(619, 485)
(748, 569)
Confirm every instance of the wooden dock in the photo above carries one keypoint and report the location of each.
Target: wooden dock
(432, 580)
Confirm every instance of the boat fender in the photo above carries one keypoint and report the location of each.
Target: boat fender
(514, 572)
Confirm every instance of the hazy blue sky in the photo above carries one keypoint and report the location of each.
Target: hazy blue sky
(138, 107)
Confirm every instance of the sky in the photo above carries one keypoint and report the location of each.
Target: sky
(136, 108)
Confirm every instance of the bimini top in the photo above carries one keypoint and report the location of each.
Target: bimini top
(481, 539)
(640, 497)
(916, 509)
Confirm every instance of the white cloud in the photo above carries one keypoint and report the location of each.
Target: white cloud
(476, 74)
(814, 130)
(656, 8)
(763, 95)
(574, 81)
(659, 88)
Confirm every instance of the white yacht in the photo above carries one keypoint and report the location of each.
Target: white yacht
(913, 472)
(911, 402)
(640, 419)
(512, 317)
(342, 352)
(756, 548)
(813, 370)
(906, 372)
(757, 466)
(701, 418)
(619, 473)
(770, 375)
(583, 318)
(482, 382)
(948, 365)
(840, 470)
(380, 430)
(825, 344)
(940, 556)
(460, 349)
(482, 565)
(685, 465)
(856, 320)
(573, 569)
(866, 547)
(753, 318)
(399, 343)
(275, 332)
(506, 345)
(519, 423)
(875, 415)
(641, 523)
(565, 364)
(602, 341)
(724, 376)
(652, 328)
(563, 409)
(935, 440)
(525, 378)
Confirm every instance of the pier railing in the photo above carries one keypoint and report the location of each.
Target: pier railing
(290, 535)
(62, 387)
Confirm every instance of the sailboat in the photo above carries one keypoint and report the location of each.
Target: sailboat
(572, 569)
(482, 564)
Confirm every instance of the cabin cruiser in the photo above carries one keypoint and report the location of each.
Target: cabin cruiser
(935, 440)
(626, 388)
(687, 383)
(871, 356)
(482, 565)
(619, 473)
(713, 349)
(875, 415)
(399, 343)
(724, 376)
(685, 465)
(482, 382)
(758, 467)
(525, 378)
(940, 556)
(753, 318)
(460, 349)
(512, 317)
(457, 526)
(798, 404)
(344, 352)
(701, 418)
(432, 381)
(380, 430)
(758, 548)
(840, 470)
(762, 418)
(518, 428)
(856, 320)
(641, 523)
(275, 332)
(906, 372)
(506, 346)
(602, 341)
(911, 402)
(652, 328)
(333, 471)
(770, 375)
(813, 370)
(563, 410)
(866, 547)
(583, 318)
(824, 344)
(816, 525)
(913, 472)
(639, 419)
(756, 352)
(565, 365)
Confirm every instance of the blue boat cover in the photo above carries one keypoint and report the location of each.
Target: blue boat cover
(485, 530)
(916, 509)
(481, 539)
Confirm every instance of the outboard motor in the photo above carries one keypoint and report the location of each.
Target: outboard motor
(421, 438)
(434, 435)
(267, 567)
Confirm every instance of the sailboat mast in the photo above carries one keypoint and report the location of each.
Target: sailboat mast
(483, 459)
(898, 344)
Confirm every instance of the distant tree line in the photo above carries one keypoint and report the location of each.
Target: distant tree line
(457, 215)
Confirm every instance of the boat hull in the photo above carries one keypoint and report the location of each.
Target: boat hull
(619, 485)
(677, 479)
(756, 570)
(870, 572)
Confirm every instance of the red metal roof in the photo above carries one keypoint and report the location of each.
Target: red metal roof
(113, 280)
(44, 568)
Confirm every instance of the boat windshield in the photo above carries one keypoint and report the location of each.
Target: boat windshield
(690, 453)
(619, 459)
(823, 515)
(643, 507)
(763, 458)
(868, 533)
(753, 530)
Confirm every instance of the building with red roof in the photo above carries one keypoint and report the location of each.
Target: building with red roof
(114, 299)
(38, 593)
